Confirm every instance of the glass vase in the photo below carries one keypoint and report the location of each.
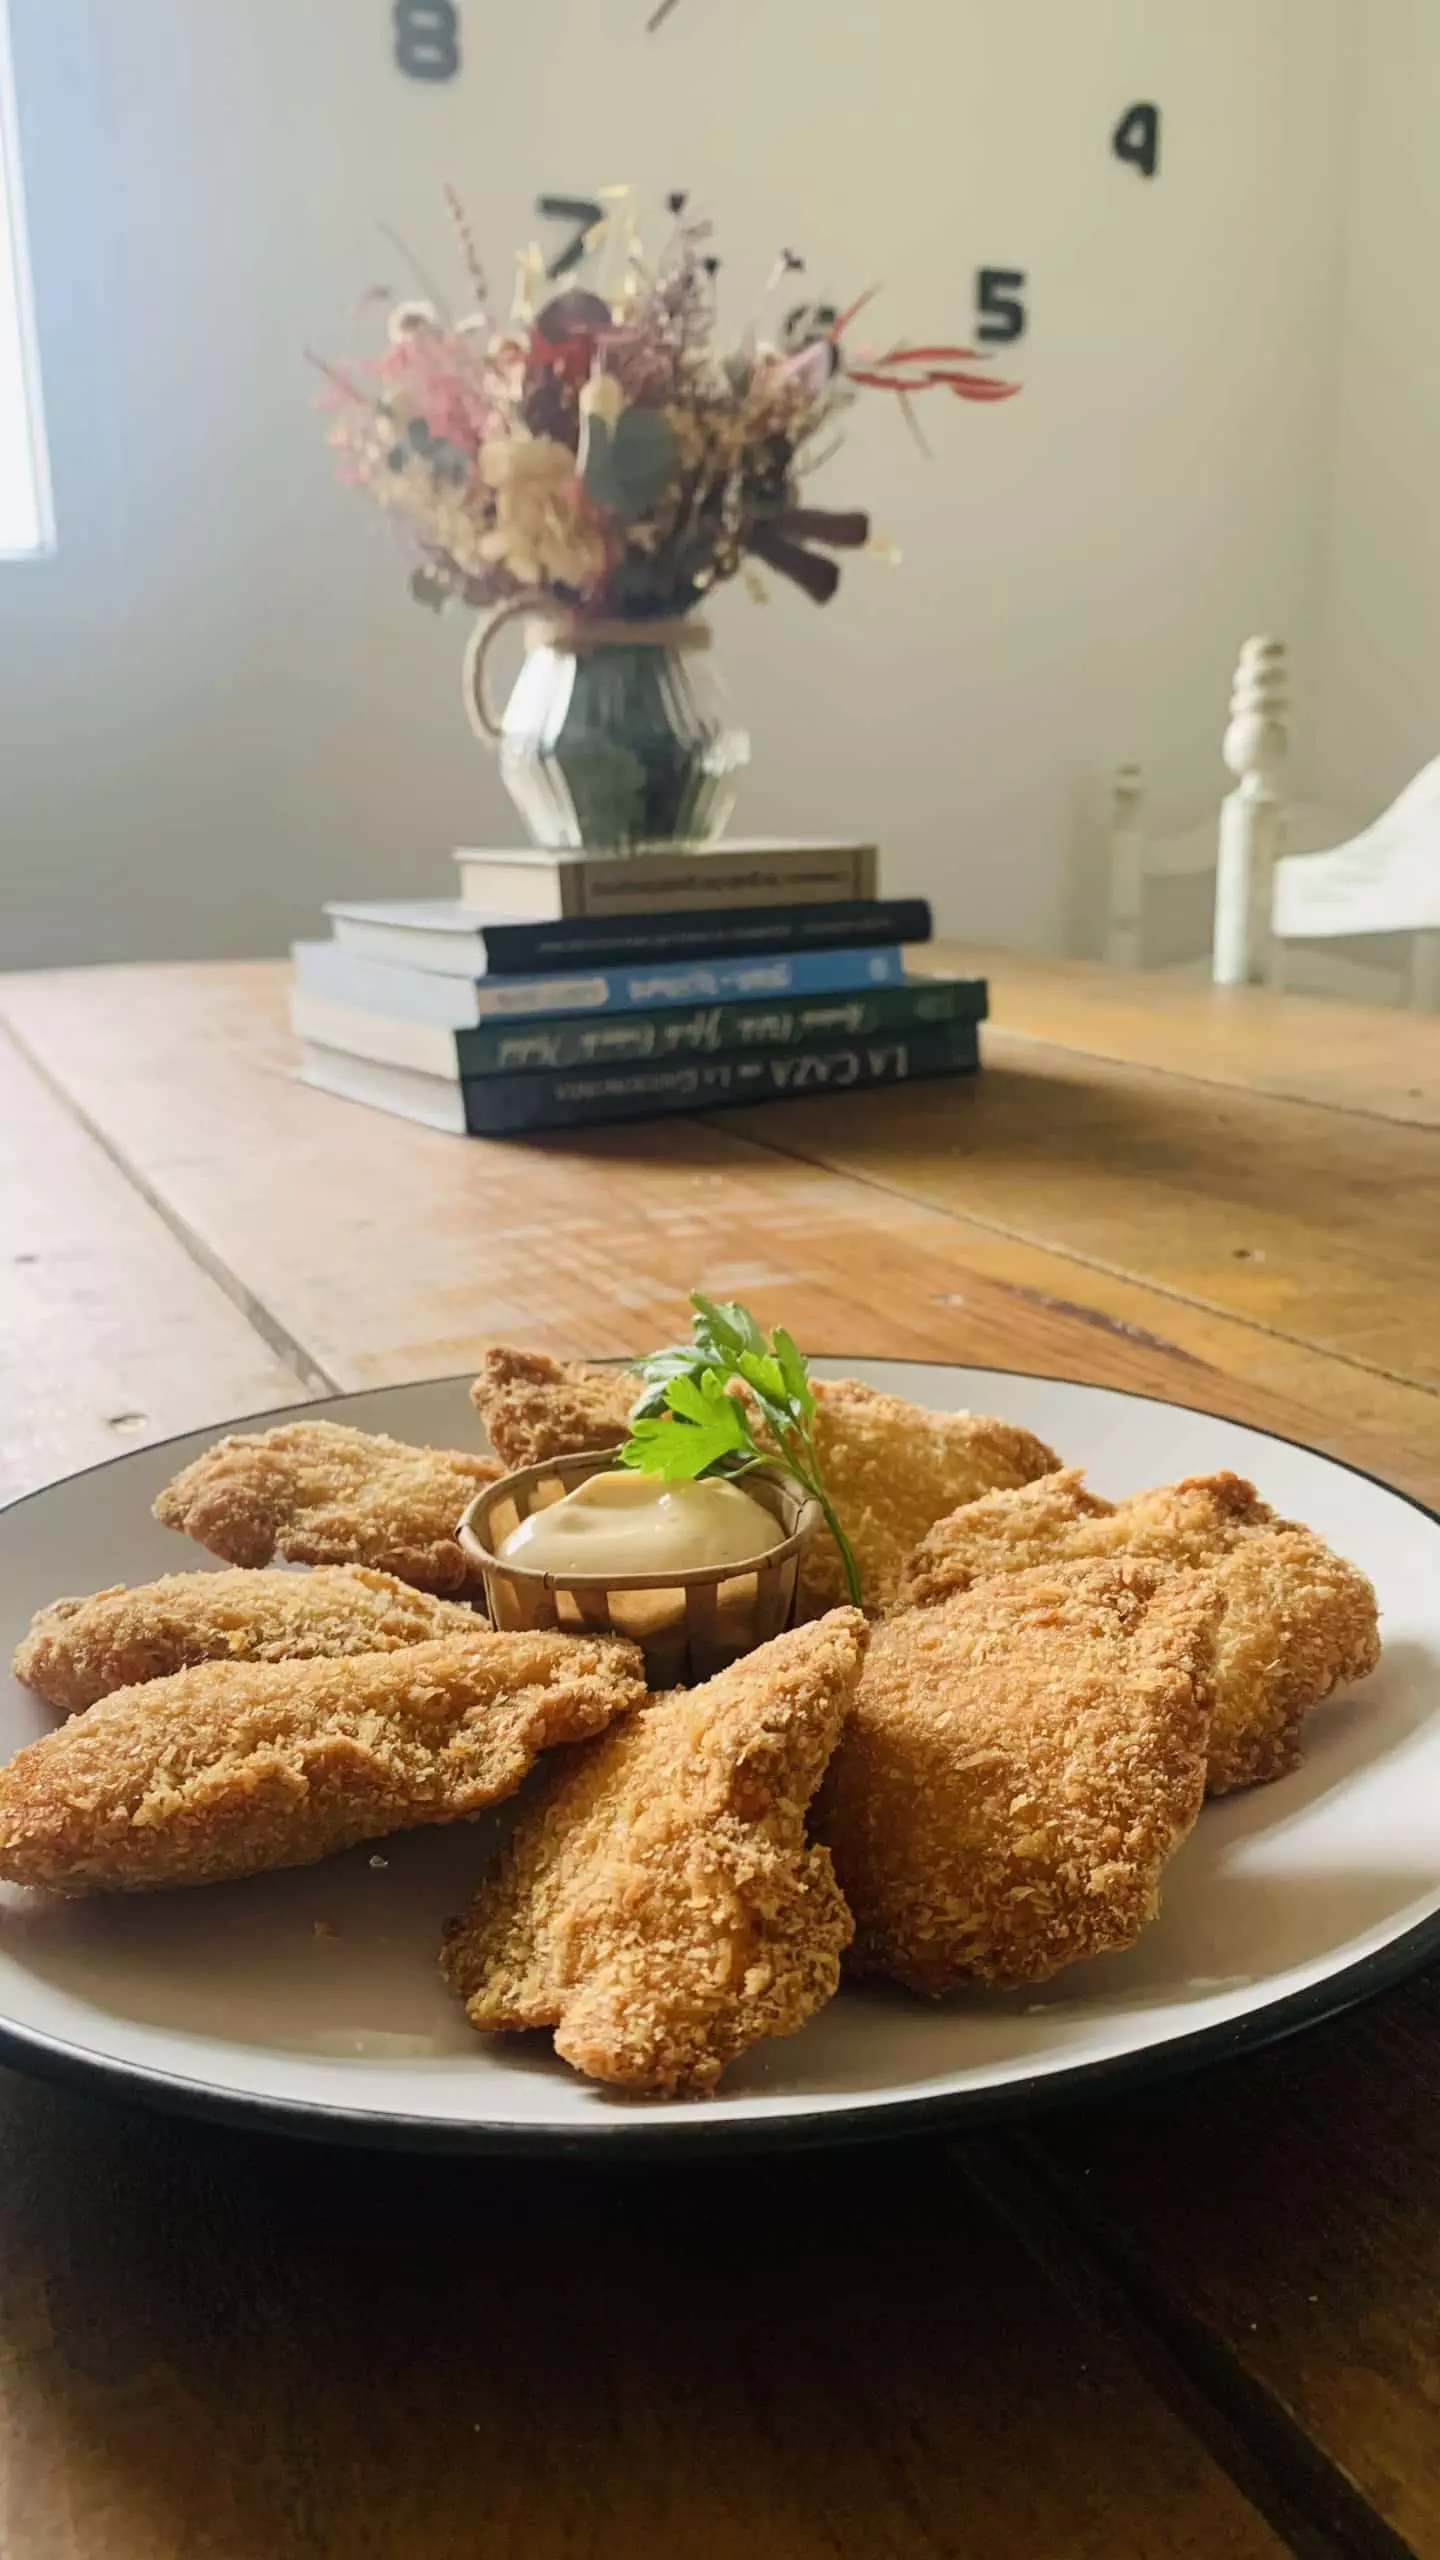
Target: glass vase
(616, 735)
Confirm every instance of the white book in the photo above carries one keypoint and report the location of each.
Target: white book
(436, 1101)
(412, 933)
(389, 1038)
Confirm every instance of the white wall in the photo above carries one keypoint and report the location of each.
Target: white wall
(1379, 657)
(217, 706)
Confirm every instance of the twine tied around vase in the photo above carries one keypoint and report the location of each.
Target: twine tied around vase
(552, 628)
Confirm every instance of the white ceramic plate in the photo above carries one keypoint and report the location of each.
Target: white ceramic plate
(312, 2001)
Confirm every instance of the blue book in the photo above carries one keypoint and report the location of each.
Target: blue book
(511, 1106)
(430, 995)
(440, 933)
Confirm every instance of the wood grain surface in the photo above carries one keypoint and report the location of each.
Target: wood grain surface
(109, 1335)
(1202, 2322)
(1353, 1057)
(1287, 2216)
(224, 2349)
(1305, 1222)
(371, 1250)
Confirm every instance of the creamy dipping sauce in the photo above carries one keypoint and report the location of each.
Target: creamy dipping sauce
(631, 1523)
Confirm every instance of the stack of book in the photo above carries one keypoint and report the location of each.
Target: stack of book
(564, 988)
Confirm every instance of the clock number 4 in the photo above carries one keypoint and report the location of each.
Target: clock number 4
(1002, 314)
(427, 38)
(1137, 139)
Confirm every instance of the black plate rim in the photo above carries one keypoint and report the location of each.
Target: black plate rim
(946, 2111)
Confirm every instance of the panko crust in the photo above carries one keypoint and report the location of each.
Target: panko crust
(1297, 1619)
(534, 1407)
(231, 1768)
(657, 1904)
(892, 1469)
(80, 1650)
(1019, 1764)
(320, 1493)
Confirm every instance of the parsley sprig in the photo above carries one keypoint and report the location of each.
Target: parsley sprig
(688, 1422)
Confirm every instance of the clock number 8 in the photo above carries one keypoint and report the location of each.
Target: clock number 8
(427, 38)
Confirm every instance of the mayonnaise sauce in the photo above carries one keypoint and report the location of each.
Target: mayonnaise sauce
(632, 1523)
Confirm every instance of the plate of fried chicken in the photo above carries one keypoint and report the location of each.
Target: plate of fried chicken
(1109, 1773)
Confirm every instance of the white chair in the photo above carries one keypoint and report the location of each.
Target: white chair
(1286, 872)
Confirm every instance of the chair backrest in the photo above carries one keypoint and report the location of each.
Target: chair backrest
(1241, 850)
(1286, 870)
(1385, 880)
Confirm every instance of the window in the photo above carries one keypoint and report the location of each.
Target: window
(26, 525)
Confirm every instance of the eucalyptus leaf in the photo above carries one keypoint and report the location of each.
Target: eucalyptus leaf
(629, 466)
(447, 461)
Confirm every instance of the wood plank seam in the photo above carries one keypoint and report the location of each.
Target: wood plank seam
(1254, 2438)
(1211, 1084)
(276, 1336)
(1067, 1253)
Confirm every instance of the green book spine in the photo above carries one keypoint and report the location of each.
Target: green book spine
(749, 1026)
(568, 1098)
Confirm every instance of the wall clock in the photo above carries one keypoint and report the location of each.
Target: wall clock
(427, 47)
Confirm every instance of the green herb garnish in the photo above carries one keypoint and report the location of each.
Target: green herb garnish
(688, 1422)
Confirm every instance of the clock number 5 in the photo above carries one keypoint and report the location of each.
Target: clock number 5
(427, 38)
(1003, 317)
(1137, 139)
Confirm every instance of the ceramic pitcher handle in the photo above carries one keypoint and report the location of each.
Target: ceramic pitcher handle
(478, 705)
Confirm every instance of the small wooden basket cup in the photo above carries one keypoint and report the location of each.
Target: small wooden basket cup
(688, 1625)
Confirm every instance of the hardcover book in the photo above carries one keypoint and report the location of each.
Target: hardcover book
(440, 933)
(533, 884)
(622, 1039)
(459, 1001)
(515, 1105)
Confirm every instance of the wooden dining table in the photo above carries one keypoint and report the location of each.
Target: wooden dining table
(1202, 2320)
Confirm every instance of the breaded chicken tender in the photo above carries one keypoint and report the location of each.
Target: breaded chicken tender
(234, 1767)
(534, 1407)
(79, 1650)
(892, 1468)
(657, 1904)
(1297, 1619)
(320, 1493)
(1018, 1766)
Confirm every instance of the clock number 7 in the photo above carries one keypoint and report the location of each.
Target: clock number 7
(582, 214)
(1003, 317)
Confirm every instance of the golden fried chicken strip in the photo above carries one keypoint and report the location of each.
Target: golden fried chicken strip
(892, 1469)
(534, 1407)
(1297, 1619)
(320, 1493)
(79, 1650)
(234, 1767)
(657, 1904)
(1019, 1764)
